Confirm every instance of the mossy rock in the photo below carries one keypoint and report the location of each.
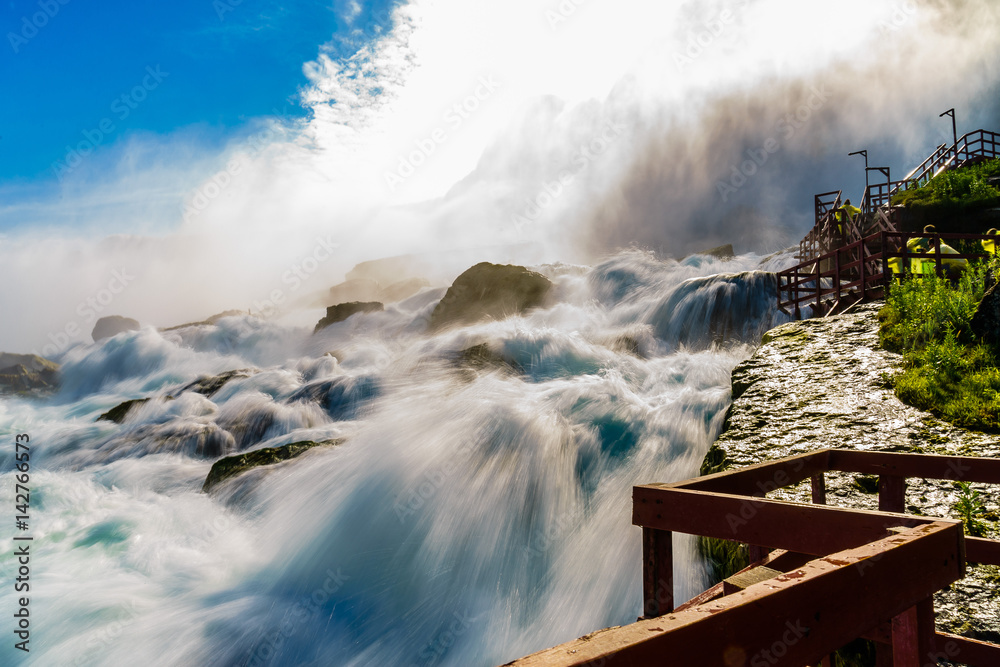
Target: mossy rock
(208, 385)
(483, 358)
(490, 292)
(231, 466)
(118, 413)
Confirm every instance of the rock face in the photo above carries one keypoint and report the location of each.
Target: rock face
(986, 319)
(118, 413)
(402, 289)
(359, 289)
(342, 311)
(208, 320)
(27, 374)
(106, 327)
(231, 466)
(490, 291)
(824, 383)
(723, 252)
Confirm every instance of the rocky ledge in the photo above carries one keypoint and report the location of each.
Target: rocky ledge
(825, 383)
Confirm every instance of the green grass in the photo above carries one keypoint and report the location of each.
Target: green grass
(970, 510)
(958, 189)
(947, 370)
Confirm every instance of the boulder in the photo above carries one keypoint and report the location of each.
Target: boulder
(208, 385)
(27, 374)
(118, 413)
(342, 311)
(232, 466)
(113, 325)
(358, 289)
(723, 252)
(986, 320)
(482, 358)
(490, 291)
(208, 320)
(402, 289)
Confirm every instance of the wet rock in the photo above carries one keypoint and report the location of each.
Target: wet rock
(189, 436)
(723, 252)
(826, 383)
(207, 385)
(208, 321)
(27, 374)
(231, 466)
(986, 320)
(118, 413)
(482, 358)
(490, 291)
(342, 311)
(106, 327)
(342, 397)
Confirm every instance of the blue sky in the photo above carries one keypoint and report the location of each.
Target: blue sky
(73, 71)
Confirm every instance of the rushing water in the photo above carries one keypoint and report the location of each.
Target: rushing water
(469, 518)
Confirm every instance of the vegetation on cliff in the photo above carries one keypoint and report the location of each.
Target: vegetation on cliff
(959, 189)
(948, 370)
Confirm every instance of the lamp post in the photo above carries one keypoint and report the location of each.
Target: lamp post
(888, 181)
(867, 201)
(954, 130)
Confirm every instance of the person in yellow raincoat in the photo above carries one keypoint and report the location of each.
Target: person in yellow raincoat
(926, 265)
(990, 245)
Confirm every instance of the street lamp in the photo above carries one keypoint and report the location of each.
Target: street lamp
(867, 201)
(954, 131)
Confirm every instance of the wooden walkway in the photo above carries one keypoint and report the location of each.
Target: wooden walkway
(845, 259)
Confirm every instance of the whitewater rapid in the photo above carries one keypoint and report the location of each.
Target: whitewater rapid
(469, 518)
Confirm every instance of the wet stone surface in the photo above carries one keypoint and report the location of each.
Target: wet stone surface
(823, 383)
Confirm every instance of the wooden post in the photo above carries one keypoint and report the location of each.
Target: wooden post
(891, 493)
(937, 257)
(657, 572)
(864, 281)
(836, 277)
(819, 489)
(913, 635)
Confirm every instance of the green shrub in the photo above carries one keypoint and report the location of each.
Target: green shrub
(959, 189)
(970, 509)
(947, 370)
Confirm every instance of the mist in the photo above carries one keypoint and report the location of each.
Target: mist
(524, 132)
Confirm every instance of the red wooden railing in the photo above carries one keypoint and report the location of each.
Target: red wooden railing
(859, 271)
(824, 575)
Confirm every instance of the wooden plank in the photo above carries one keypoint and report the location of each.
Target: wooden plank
(809, 529)
(928, 466)
(792, 620)
(982, 550)
(762, 477)
(964, 650)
